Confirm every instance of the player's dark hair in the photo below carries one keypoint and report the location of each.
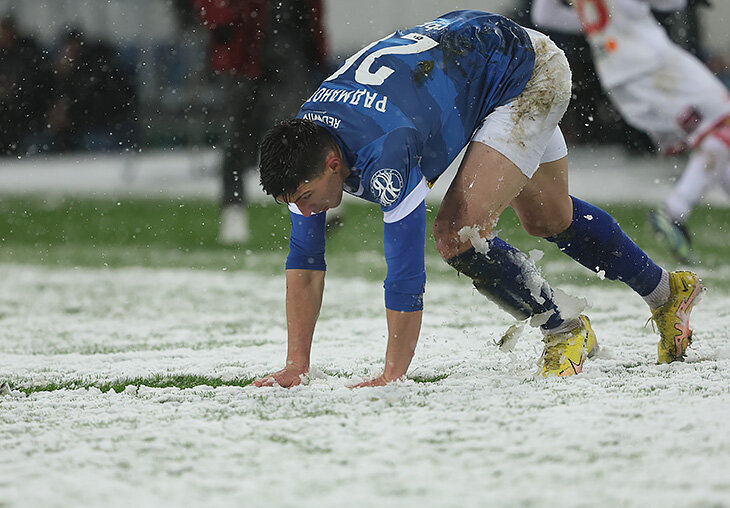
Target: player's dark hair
(292, 153)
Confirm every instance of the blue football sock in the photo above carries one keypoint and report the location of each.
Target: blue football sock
(596, 241)
(511, 280)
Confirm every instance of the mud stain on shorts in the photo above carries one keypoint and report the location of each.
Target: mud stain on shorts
(548, 86)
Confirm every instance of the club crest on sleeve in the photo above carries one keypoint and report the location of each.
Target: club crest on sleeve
(386, 185)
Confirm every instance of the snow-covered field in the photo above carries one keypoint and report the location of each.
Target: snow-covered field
(471, 427)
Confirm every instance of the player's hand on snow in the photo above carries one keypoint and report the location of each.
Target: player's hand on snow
(289, 376)
(378, 381)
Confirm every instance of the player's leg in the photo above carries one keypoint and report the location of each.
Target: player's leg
(584, 232)
(483, 187)
(693, 111)
(240, 152)
(594, 239)
(544, 206)
(505, 153)
(725, 181)
(704, 115)
(706, 165)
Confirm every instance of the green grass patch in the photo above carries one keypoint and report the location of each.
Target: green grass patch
(182, 233)
(182, 381)
(156, 381)
(429, 379)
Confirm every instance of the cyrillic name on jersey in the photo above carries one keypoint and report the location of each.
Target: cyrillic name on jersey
(353, 97)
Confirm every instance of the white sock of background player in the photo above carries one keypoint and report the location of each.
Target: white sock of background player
(706, 163)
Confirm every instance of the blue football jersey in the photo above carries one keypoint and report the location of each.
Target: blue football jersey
(403, 107)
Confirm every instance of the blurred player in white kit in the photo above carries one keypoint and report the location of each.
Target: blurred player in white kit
(659, 88)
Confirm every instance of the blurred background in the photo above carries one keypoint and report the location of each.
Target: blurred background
(142, 76)
(168, 99)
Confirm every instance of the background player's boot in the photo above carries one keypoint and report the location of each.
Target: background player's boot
(673, 235)
(565, 352)
(672, 318)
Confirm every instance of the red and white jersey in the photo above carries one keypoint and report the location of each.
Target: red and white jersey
(624, 36)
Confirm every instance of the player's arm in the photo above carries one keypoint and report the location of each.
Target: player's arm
(403, 243)
(554, 15)
(304, 289)
(403, 331)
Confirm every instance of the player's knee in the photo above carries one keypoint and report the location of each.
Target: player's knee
(535, 228)
(717, 143)
(544, 228)
(713, 152)
(452, 236)
(444, 236)
(545, 223)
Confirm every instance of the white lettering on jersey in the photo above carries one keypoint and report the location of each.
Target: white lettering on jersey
(363, 74)
(372, 99)
(435, 26)
(323, 118)
(386, 185)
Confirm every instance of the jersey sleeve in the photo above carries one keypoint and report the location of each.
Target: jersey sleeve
(394, 178)
(306, 241)
(404, 244)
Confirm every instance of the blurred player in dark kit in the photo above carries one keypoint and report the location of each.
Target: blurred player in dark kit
(266, 54)
(24, 88)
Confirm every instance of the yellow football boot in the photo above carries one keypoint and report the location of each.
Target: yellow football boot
(565, 352)
(672, 318)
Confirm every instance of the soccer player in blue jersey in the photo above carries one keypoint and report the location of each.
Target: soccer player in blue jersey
(389, 121)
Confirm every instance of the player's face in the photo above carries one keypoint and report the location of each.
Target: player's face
(320, 194)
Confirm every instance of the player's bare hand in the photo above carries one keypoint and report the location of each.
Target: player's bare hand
(378, 381)
(289, 376)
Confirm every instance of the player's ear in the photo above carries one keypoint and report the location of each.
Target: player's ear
(333, 162)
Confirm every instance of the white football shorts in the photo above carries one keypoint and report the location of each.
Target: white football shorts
(681, 101)
(525, 130)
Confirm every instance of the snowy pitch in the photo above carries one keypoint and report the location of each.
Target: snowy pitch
(471, 427)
